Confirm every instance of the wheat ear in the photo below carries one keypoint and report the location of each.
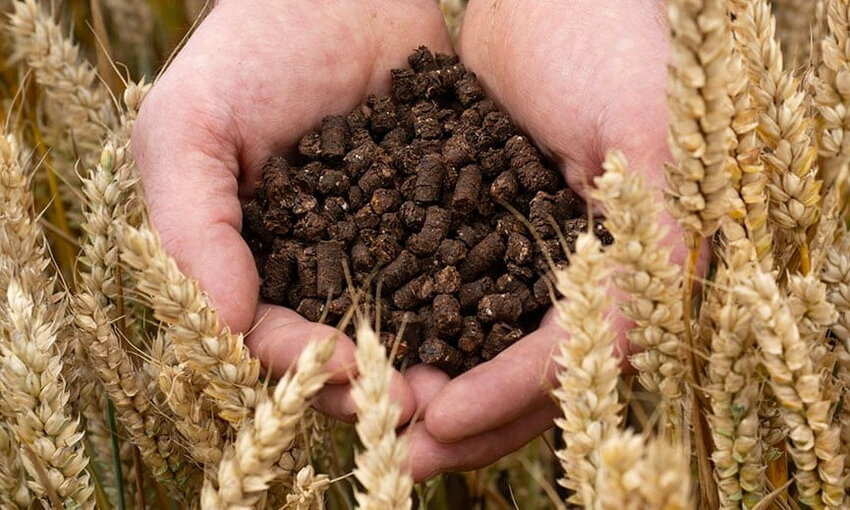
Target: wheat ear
(32, 385)
(832, 88)
(836, 275)
(587, 369)
(81, 106)
(193, 327)
(100, 312)
(813, 440)
(381, 466)
(250, 463)
(651, 282)
(750, 179)
(784, 127)
(733, 387)
(701, 111)
(636, 474)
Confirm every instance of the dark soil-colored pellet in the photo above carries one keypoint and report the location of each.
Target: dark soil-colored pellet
(408, 193)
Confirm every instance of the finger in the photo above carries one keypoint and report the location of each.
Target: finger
(429, 456)
(336, 400)
(191, 190)
(280, 334)
(426, 382)
(503, 389)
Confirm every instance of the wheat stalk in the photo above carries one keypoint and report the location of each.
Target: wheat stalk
(250, 463)
(381, 466)
(587, 369)
(813, 440)
(193, 327)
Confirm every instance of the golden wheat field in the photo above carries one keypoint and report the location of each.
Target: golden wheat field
(121, 387)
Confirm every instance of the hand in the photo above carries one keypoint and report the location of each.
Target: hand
(252, 79)
(580, 78)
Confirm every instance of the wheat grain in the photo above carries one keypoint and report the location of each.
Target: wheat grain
(251, 462)
(381, 465)
(308, 491)
(812, 313)
(813, 440)
(193, 327)
(587, 369)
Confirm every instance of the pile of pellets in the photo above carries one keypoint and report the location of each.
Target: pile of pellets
(408, 198)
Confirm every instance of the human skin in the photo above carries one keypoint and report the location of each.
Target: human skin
(580, 77)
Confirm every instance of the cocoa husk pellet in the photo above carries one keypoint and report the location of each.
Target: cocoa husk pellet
(329, 271)
(440, 354)
(408, 193)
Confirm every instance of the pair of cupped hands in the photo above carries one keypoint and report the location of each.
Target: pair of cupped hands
(579, 76)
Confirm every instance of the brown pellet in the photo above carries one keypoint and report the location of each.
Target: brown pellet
(501, 337)
(334, 134)
(447, 317)
(471, 293)
(499, 308)
(505, 187)
(329, 271)
(434, 230)
(472, 335)
(400, 271)
(310, 145)
(414, 292)
(452, 251)
(447, 280)
(467, 189)
(429, 182)
(482, 257)
(438, 353)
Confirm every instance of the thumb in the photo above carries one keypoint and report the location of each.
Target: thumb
(189, 173)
